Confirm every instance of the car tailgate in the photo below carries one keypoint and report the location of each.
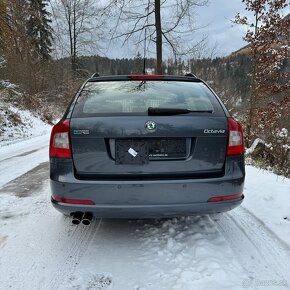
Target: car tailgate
(183, 145)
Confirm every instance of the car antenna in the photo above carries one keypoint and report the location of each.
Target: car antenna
(144, 57)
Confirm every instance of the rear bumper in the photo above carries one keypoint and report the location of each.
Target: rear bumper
(148, 198)
(147, 211)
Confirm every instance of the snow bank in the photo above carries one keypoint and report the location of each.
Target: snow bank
(18, 124)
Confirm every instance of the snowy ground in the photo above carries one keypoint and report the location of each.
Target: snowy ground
(247, 248)
(17, 124)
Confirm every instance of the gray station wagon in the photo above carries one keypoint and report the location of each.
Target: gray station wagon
(142, 146)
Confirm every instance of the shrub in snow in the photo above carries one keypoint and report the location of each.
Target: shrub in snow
(272, 140)
(274, 154)
(7, 85)
(4, 84)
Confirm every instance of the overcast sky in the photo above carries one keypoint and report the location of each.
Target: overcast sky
(215, 18)
(215, 22)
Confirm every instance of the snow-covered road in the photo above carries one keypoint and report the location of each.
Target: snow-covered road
(247, 248)
(19, 158)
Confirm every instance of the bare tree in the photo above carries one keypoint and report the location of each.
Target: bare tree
(167, 23)
(76, 22)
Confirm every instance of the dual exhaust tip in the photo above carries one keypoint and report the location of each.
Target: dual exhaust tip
(84, 217)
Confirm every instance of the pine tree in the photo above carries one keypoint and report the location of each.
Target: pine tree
(138, 64)
(39, 28)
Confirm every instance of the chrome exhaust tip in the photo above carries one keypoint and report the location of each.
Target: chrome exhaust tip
(87, 218)
(77, 217)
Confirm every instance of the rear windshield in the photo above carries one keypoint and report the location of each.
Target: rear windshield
(135, 97)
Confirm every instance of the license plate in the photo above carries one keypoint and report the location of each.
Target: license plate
(141, 151)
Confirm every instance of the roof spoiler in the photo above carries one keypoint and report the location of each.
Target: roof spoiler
(95, 75)
(190, 75)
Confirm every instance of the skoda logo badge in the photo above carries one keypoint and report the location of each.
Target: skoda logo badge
(150, 125)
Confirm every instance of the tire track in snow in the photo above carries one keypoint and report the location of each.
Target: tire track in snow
(81, 237)
(23, 154)
(21, 165)
(261, 253)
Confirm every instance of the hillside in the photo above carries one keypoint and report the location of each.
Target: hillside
(228, 76)
(18, 124)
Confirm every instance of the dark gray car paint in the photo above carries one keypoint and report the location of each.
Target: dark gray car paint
(92, 155)
(142, 198)
(179, 187)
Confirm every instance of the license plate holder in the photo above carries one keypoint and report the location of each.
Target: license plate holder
(131, 152)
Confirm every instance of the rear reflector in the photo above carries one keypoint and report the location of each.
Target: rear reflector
(59, 140)
(73, 201)
(145, 77)
(235, 138)
(224, 198)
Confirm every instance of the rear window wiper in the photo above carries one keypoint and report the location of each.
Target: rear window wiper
(173, 111)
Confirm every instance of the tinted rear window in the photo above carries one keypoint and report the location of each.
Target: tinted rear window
(129, 97)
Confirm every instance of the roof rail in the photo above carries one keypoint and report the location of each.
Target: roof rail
(95, 75)
(190, 75)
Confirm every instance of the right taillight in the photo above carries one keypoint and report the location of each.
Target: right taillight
(225, 197)
(59, 140)
(235, 138)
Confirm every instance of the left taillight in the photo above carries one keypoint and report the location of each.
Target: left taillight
(59, 140)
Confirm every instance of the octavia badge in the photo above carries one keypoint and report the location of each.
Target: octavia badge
(150, 125)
